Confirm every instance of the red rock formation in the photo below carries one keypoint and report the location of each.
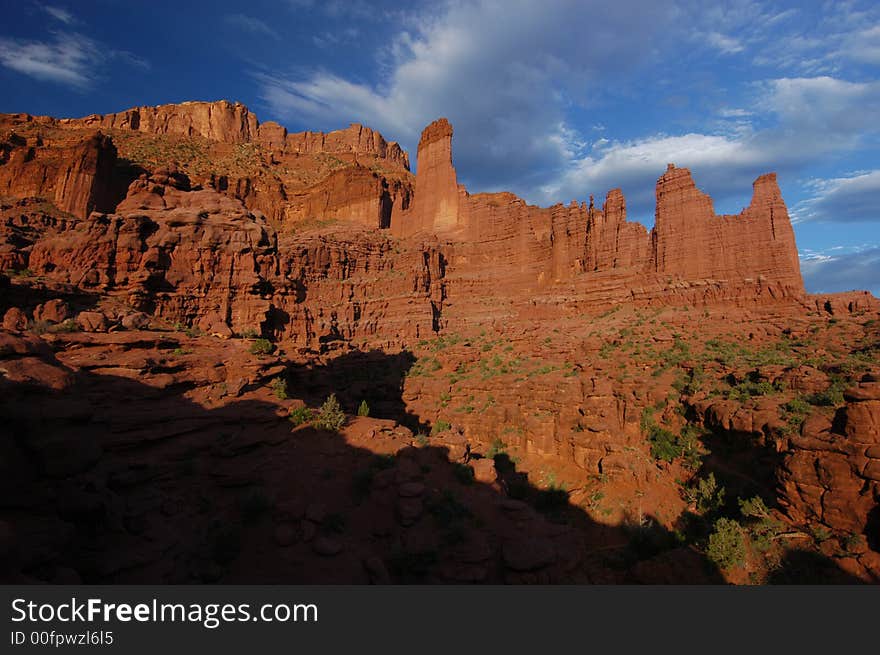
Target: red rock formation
(691, 242)
(612, 242)
(220, 121)
(749, 255)
(355, 139)
(78, 177)
(435, 207)
(229, 122)
(199, 258)
(293, 166)
(832, 472)
(355, 194)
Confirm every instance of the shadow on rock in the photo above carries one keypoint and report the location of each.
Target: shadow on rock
(107, 479)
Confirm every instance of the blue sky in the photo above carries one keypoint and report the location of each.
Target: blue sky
(554, 100)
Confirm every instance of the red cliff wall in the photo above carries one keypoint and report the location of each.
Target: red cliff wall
(435, 207)
(497, 242)
(77, 176)
(692, 242)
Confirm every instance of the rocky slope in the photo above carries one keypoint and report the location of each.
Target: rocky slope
(567, 396)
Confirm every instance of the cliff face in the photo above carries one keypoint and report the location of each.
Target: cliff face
(229, 122)
(220, 121)
(287, 177)
(435, 208)
(200, 258)
(355, 139)
(691, 241)
(78, 175)
(498, 238)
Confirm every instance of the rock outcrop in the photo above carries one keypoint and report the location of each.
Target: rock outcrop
(832, 473)
(220, 121)
(230, 122)
(690, 241)
(78, 176)
(352, 174)
(200, 258)
(435, 208)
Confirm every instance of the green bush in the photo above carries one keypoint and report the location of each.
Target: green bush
(797, 405)
(762, 528)
(363, 409)
(279, 387)
(706, 495)
(300, 415)
(261, 347)
(748, 389)
(497, 447)
(330, 416)
(67, 326)
(727, 544)
(830, 397)
(667, 446)
(664, 443)
(754, 508)
(440, 426)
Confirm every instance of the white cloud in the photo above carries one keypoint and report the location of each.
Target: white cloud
(864, 46)
(852, 270)
(59, 13)
(725, 44)
(809, 118)
(845, 199)
(504, 73)
(69, 58)
(251, 24)
(824, 106)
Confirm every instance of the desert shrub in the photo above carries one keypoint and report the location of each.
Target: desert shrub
(330, 416)
(40, 327)
(261, 347)
(754, 508)
(300, 415)
(667, 446)
(706, 495)
(727, 544)
(279, 387)
(797, 405)
(745, 390)
(363, 409)
(664, 443)
(830, 397)
(67, 326)
(250, 333)
(794, 412)
(497, 447)
(820, 533)
(440, 426)
(761, 526)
